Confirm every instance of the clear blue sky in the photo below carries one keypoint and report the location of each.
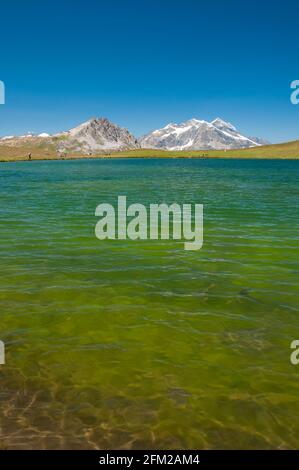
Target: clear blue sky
(145, 63)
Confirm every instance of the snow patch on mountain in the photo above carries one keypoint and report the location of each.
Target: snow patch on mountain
(43, 135)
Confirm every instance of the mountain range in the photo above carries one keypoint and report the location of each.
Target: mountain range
(101, 135)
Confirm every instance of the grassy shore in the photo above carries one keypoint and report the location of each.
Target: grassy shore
(289, 150)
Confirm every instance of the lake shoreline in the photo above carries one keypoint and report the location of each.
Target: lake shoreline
(141, 157)
(286, 151)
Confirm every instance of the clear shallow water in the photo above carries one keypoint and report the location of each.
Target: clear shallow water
(122, 344)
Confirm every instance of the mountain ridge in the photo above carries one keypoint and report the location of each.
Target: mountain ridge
(101, 135)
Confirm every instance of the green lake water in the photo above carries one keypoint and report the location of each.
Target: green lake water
(141, 344)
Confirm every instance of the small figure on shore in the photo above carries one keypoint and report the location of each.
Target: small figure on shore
(29, 156)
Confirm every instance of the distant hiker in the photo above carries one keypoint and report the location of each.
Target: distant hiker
(29, 156)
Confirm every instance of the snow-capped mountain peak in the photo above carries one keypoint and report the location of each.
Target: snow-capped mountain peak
(196, 134)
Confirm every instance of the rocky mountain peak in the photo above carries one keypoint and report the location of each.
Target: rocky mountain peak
(97, 134)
